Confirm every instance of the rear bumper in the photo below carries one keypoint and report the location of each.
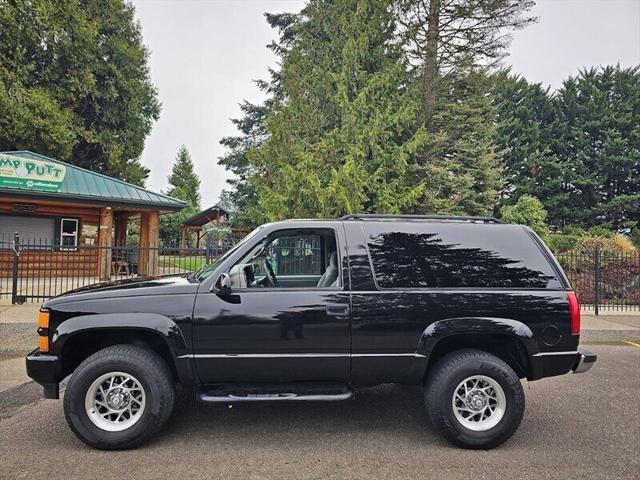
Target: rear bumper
(584, 361)
(550, 364)
(45, 370)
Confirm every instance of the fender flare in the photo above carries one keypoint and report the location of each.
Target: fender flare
(451, 327)
(164, 327)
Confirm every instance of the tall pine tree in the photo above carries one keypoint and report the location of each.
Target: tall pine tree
(598, 142)
(184, 185)
(252, 132)
(578, 149)
(440, 36)
(526, 118)
(446, 41)
(464, 171)
(342, 136)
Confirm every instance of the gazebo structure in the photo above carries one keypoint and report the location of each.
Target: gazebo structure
(72, 211)
(216, 215)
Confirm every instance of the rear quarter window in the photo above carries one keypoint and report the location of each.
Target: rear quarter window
(430, 255)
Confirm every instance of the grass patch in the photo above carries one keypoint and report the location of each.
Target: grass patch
(189, 264)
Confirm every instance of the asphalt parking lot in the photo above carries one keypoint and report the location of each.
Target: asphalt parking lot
(575, 426)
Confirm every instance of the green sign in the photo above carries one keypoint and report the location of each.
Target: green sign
(25, 173)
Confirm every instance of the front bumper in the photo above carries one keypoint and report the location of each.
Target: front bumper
(45, 370)
(584, 361)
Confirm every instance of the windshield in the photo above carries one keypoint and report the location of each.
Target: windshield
(207, 270)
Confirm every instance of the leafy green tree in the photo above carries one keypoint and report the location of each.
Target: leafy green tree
(184, 185)
(342, 135)
(528, 211)
(75, 84)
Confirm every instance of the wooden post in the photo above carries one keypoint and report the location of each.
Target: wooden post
(149, 233)
(183, 238)
(120, 230)
(105, 243)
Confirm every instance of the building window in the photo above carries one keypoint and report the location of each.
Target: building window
(68, 232)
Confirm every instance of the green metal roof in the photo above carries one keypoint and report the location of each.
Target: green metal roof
(82, 184)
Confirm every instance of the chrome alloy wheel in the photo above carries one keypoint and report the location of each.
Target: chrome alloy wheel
(115, 401)
(479, 403)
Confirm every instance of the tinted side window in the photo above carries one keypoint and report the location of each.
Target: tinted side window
(457, 255)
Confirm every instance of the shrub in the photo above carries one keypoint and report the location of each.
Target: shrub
(561, 243)
(528, 211)
(613, 245)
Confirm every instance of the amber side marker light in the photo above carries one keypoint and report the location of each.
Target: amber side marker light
(574, 313)
(43, 331)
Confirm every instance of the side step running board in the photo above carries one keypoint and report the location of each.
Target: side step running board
(295, 393)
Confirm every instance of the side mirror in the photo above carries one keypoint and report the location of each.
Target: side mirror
(222, 285)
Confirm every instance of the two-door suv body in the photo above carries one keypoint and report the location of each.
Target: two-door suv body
(313, 309)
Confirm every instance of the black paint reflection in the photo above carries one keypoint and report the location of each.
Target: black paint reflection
(403, 259)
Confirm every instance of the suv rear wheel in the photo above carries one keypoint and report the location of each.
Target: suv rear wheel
(119, 397)
(474, 399)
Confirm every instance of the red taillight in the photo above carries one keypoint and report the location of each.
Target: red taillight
(574, 313)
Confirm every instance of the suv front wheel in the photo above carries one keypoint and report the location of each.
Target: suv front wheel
(119, 397)
(474, 399)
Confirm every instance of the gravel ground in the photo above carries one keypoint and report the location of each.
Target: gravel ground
(575, 426)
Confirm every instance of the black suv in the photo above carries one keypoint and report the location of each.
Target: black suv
(312, 310)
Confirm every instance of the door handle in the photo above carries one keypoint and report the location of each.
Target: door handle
(338, 310)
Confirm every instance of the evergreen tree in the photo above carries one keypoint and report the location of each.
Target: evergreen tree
(442, 35)
(447, 41)
(184, 185)
(598, 143)
(252, 132)
(342, 136)
(526, 119)
(577, 150)
(242, 193)
(75, 84)
(464, 173)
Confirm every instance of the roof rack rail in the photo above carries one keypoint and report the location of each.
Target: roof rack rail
(451, 218)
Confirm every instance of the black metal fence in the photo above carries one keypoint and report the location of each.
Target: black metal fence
(34, 271)
(604, 280)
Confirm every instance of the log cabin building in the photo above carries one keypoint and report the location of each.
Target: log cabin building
(74, 219)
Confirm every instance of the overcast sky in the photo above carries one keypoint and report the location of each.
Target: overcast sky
(206, 54)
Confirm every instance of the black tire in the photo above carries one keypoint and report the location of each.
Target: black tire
(445, 377)
(156, 380)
